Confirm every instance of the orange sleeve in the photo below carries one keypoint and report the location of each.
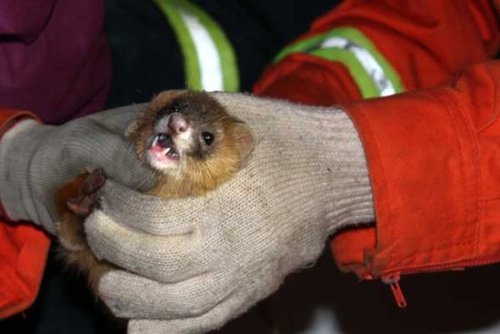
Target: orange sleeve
(434, 161)
(427, 42)
(23, 248)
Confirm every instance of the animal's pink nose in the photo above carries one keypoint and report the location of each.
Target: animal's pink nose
(178, 123)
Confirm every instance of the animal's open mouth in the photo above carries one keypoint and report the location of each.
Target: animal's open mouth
(163, 152)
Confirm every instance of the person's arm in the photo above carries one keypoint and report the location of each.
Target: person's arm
(365, 49)
(55, 63)
(23, 247)
(433, 158)
(414, 46)
(37, 159)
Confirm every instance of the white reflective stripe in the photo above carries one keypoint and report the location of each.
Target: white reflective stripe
(207, 52)
(367, 61)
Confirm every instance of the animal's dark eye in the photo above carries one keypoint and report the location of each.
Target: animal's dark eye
(207, 137)
(176, 106)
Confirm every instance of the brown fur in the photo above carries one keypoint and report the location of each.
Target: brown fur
(195, 176)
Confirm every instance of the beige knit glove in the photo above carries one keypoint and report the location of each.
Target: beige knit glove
(193, 264)
(37, 159)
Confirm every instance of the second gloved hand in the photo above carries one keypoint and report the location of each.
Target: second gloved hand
(37, 159)
(192, 264)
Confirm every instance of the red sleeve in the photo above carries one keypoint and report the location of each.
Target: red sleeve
(427, 42)
(23, 248)
(434, 161)
(431, 154)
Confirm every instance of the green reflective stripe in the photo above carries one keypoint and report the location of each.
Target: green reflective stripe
(175, 11)
(348, 58)
(191, 64)
(227, 55)
(303, 46)
(359, 38)
(365, 84)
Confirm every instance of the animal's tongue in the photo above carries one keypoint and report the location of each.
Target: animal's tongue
(158, 149)
(163, 149)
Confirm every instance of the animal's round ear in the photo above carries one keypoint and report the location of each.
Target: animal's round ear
(244, 140)
(131, 128)
(164, 98)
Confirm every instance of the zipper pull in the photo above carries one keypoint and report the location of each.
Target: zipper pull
(397, 292)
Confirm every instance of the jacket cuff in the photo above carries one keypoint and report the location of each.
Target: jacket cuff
(423, 161)
(10, 117)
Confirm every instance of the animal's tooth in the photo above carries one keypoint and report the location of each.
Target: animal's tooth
(155, 141)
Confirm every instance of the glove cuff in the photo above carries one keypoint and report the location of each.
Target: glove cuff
(349, 200)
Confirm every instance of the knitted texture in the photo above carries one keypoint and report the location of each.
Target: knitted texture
(36, 159)
(193, 264)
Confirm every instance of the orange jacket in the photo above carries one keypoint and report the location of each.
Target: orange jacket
(433, 156)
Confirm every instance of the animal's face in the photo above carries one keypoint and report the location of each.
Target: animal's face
(190, 135)
(187, 127)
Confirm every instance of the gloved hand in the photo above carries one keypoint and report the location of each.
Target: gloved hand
(37, 159)
(193, 264)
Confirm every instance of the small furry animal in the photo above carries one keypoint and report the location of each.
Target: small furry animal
(191, 143)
